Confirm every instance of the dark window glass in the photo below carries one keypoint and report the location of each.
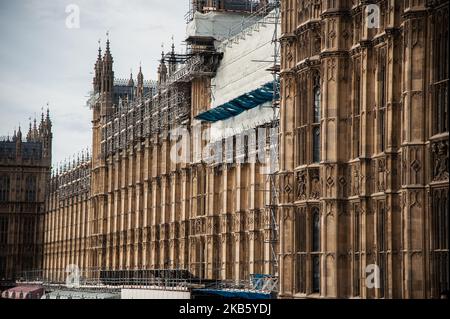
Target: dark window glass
(316, 144)
(316, 121)
(317, 104)
(3, 230)
(357, 253)
(316, 230)
(382, 100)
(30, 189)
(300, 244)
(440, 68)
(382, 259)
(440, 220)
(316, 274)
(4, 188)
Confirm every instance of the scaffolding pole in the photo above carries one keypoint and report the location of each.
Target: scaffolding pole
(273, 205)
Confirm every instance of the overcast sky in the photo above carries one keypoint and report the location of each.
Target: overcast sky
(41, 60)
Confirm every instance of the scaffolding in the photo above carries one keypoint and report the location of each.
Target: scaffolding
(72, 177)
(275, 105)
(246, 6)
(135, 120)
(104, 280)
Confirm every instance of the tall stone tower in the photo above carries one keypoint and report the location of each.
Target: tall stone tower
(363, 147)
(24, 175)
(102, 109)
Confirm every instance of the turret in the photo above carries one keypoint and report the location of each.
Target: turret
(46, 136)
(140, 83)
(172, 60)
(98, 71)
(18, 139)
(41, 124)
(131, 85)
(48, 122)
(107, 71)
(30, 133)
(19, 135)
(162, 71)
(131, 81)
(35, 133)
(103, 85)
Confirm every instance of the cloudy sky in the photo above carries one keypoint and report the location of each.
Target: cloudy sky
(42, 60)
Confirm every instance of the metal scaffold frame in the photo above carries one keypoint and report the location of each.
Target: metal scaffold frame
(101, 280)
(132, 120)
(274, 234)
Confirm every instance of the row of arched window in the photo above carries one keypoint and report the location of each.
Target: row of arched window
(30, 188)
(440, 71)
(308, 120)
(308, 250)
(440, 241)
(4, 188)
(3, 230)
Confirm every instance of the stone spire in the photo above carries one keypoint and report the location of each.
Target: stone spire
(172, 59)
(140, 83)
(107, 70)
(98, 70)
(19, 135)
(162, 70)
(35, 133)
(30, 133)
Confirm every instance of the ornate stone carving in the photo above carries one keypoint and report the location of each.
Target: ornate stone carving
(315, 184)
(439, 151)
(356, 189)
(301, 185)
(381, 169)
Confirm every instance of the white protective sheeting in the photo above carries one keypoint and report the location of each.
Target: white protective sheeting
(72, 294)
(218, 25)
(247, 56)
(246, 120)
(155, 294)
(244, 68)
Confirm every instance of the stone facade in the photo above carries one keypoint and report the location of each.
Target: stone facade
(142, 209)
(364, 148)
(24, 173)
(66, 219)
(363, 179)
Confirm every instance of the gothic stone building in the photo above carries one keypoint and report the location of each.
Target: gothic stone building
(129, 206)
(24, 171)
(363, 159)
(364, 148)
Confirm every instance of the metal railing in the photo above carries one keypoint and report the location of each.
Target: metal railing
(98, 279)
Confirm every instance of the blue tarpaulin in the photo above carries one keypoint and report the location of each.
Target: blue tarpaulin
(238, 105)
(234, 294)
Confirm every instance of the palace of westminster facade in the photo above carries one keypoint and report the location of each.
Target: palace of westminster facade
(362, 177)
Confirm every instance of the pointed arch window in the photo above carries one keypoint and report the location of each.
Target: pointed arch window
(356, 250)
(3, 230)
(440, 241)
(315, 230)
(356, 118)
(382, 99)
(315, 250)
(30, 189)
(302, 119)
(4, 188)
(316, 120)
(382, 246)
(301, 251)
(307, 250)
(3, 267)
(440, 71)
